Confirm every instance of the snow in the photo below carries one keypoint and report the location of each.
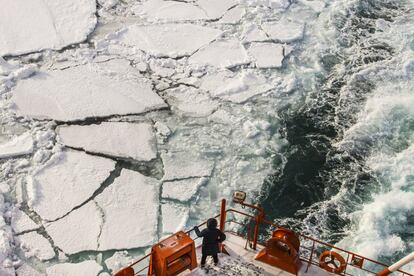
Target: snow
(119, 139)
(235, 88)
(50, 24)
(181, 165)
(267, 55)
(252, 33)
(82, 92)
(19, 145)
(118, 261)
(191, 101)
(34, 244)
(66, 182)
(20, 222)
(223, 53)
(86, 268)
(172, 40)
(174, 217)
(78, 231)
(284, 31)
(182, 190)
(130, 208)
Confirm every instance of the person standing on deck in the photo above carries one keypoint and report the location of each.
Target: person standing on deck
(211, 239)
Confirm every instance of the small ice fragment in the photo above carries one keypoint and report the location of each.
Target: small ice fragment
(119, 260)
(174, 217)
(20, 222)
(267, 55)
(284, 31)
(19, 145)
(34, 244)
(27, 270)
(86, 268)
(171, 10)
(216, 8)
(182, 190)
(233, 16)
(181, 165)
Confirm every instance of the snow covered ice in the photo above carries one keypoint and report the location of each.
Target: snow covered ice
(37, 25)
(20, 145)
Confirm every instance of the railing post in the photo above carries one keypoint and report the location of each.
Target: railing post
(259, 219)
(222, 215)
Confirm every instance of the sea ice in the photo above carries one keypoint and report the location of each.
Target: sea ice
(19, 145)
(78, 231)
(119, 260)
(235, 88)
(216, 8)
(66, 182)
(233, 16)
(182, 190)
(27, 26)
(171, 10)
(119, 139)
(181, 165)
(34, 244)
(86, 268)
(252, 33)
(130, 209)
(267, 55)
(222, 53)
(191, 101)
(172, 40)
(27, 270)
(82, 92)
(20, 222)
(284, 31)
(174, 217)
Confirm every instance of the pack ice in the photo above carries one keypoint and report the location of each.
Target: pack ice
(28, 26)
(82, 92)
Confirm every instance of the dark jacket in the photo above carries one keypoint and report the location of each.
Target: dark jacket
(211, 237)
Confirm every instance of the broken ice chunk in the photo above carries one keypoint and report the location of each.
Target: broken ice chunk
(284, 31)
(110, 138)
(174, 217)
(27, 270)
(216, 8)
(82, 92)
(173, 40)
(20, 222)
(181, 165)
(34, 244)
(233, 16)
(119, 260)
(130, 209)
(182, 190)
(227, 53)
(237, 88)
(191, 101)
(78, 231)
(19, 145)
(171, 10)
(252, 33)
(86, 268)
(48, 24)
(267, 55)
(66, 182)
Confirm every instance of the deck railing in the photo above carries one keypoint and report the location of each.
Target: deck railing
(310, 248)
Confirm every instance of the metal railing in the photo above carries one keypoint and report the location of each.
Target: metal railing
(310, 248)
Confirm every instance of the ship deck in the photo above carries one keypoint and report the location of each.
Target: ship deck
(241, 262)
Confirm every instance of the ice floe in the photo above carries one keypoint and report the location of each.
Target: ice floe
(191, 101)
(78, 231)
(174, 217)
(35, 245)
(20, 222)
(233, 16)
(267, 55)
(27, 26)
(119, 260)
(86, 268)
(221, 53)
(235, 88)
(182, 190)
(181, 165)
(172, 40)
(252, 33)
(130, 210)
(27, 270)
(19, 145)
(216, 8)
(118, 139)
(66, 182)
(171, 10)
(82, 92)
(284, 31)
